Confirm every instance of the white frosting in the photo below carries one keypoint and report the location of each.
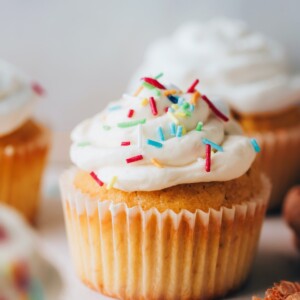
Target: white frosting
(245, 68)
(183, 158)
(19, 244)
(17, 98)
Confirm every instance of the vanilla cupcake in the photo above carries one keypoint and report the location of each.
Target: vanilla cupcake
(163, 201)
(17, 258)
(24, 142)
(250, 72)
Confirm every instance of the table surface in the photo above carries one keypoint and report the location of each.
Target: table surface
(277, 258)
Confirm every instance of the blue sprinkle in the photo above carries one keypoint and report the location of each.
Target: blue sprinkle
(214, 145)
(179, 131)
(154, 143)
(173, 99)
(180, 100)
(160, 133)
(170, 109)
(192, 107)
(255, 145)
(116, 107)
(173, 129)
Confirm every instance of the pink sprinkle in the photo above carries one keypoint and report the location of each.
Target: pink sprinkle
(127, 143)
(208, 157)
(134, 158)
(95, 177)
(191, 89)
(166, 109)
(153, 106)
(38, 89)
(130, 113)
(154, 82)
(214, 109)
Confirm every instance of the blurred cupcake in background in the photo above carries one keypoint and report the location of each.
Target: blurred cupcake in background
(18, 260)
(250, 72)
(24, 142)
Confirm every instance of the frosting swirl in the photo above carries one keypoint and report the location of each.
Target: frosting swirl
(17, 98)
(174, 158)
(244, 68)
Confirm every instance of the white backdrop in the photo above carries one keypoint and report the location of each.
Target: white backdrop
(84, 51)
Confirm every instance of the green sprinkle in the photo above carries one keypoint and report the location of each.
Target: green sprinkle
(187, 113)
(185, 105)
(148, 85)
(158, 93)
(83, 144)
(199, 126)
(159, 75)
(106, 127)
(132, 123)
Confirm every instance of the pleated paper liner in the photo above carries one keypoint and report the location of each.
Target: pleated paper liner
(129, 253)
(280, 160)
(22, 162)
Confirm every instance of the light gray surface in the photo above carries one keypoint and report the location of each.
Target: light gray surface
(276, 260)
(84, 51)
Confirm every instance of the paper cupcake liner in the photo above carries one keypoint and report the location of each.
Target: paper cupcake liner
(280, 160)
(129, 253)
(21, 169)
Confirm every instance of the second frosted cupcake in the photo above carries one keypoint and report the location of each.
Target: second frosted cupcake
(164, 202)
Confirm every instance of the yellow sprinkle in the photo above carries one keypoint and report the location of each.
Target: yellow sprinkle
(112, 182)
(195, 98)
(180, 114)
(170, 92)
(183, 130)
(156, 163)
(138, 91)
(175, 106)
(173, 118)
(144, 102)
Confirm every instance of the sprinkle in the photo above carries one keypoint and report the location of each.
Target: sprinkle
(175, 106)
(214, 109)
(106, 127)
(134, 158)
(154, 143)
(199, 126)
(185, 105)
(154, 83)
(112, 182)
(127, 143)
(161, 133)
(179, 131)
(130, 113)
(170, 92)
(144, 102)
(208, 157)
(95, 177)
(191, 89)
(158, 93)
(138, 91)
(156, 163)
(195, 97)
(172, 129)
(183, 130)
(166, 109)
(132, 123)
(116, 107)
(180, 114)
(173, 118)
(180, 100)
(153, 106)
(173, 99)
(38, 89)
(159, 75)
(170, 109)
(255, 145)
(212, 144)
(192, 107)
(83, 144)
(140, 136)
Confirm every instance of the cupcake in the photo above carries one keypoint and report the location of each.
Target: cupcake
(250, 72)
(163, 201)
(17, 258)
(24, 142)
